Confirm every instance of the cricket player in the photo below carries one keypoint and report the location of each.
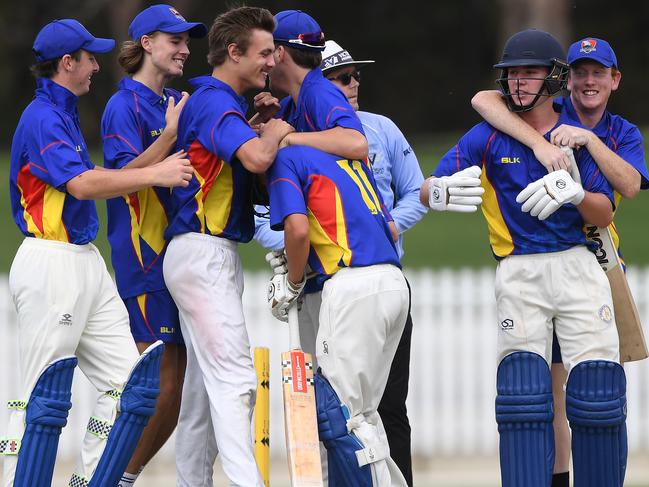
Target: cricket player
(67, 305)
(398, 178)
(546, 278)
(615, 145)
(329, 209)
(201, 267)
(139, 126)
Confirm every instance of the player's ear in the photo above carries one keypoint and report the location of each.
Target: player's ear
(66, 62)
(234, 52)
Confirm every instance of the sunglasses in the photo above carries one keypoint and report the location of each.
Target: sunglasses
(346, 78)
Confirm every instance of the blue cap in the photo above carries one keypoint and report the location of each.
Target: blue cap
(299, 30)
(66, 36)
(163, 18)
(594, 49)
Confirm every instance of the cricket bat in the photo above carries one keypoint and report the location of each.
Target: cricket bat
(300, 421)
(629, 329)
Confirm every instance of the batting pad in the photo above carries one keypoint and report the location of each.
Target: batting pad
(45, 416)
(596, 410)
(136, 406)
(524, 415)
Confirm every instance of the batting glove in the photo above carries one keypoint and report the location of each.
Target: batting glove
(282, 293)
(546, 195)
(460, 192)
(277, 261)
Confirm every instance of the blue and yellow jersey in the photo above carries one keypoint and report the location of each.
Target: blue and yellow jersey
(211, 129)
(47, 151)
(133, 119)
(507, 168)
(347, 218)
(623, 138)
(320, 106)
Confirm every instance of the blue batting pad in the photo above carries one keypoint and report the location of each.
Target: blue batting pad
(596, 409)
(524, 415)
(45, 417)
(136, 406)
(343, 467)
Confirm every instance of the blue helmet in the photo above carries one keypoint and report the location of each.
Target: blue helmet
(533, 47)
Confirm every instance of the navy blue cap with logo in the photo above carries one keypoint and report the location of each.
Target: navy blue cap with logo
(65, 36)
(299, 30)
(594, 49)
(164, 18)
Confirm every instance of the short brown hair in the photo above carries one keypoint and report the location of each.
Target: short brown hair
(235, 26)
(305, 58)
(47, 69)
(131, 56)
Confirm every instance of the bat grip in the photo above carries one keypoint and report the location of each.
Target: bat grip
(294, 328)
(574, 170)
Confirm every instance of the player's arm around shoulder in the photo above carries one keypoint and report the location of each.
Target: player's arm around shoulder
(346, 142)
(258, 153)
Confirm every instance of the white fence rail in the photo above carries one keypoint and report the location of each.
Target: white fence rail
(452, 385)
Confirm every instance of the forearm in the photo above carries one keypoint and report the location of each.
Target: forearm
(296, 240)
(156, 152)
(624, 178)
(348, 143)
(492, 108)
(109, 183)
(408, 212)
(423, 192)
(596, 209)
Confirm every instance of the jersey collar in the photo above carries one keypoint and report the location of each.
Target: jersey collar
(208, 80)
(58, 95)
(142, 90)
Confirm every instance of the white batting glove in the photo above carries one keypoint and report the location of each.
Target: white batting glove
(543, 197)
(281, 294)
(460, 192)
(277, 261)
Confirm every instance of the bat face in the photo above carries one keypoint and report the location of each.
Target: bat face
(301, 426)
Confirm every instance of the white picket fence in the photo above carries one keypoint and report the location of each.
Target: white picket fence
(452, 384)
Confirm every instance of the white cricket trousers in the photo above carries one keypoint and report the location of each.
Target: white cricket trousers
(362, 316)
(205, 278)
(67, 304)
(566, 291)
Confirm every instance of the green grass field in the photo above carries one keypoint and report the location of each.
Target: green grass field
(439, 240)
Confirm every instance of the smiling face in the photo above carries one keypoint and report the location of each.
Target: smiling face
(257, 62)
(81, 71)
(525, 83)
(591, 85)
(168, 52)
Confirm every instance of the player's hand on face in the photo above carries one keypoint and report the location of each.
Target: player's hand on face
(175, 170)
(552, 157)
(461, 192)
(266, 106)
(173, 112)
(277, 261)
(567, 135)
(544, 196)
(282, 293)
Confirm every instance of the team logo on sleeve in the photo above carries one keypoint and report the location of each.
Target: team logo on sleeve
(588, 46)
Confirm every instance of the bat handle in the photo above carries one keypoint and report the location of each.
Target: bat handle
(294, 328)
(574, 170)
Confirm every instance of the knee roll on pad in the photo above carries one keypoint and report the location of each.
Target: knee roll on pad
(524, 415)
(136, 406)
(596, 410)
(343, 464)
(45, 416)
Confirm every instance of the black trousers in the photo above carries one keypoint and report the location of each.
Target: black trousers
(392, 407)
